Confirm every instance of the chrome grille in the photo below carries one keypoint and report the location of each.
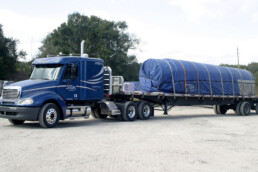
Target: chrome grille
(10, 94)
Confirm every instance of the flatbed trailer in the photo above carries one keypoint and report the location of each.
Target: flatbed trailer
(166, 101)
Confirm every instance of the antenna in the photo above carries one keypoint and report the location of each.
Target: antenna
(237, 58)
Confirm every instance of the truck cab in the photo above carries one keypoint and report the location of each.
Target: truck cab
(58, 88)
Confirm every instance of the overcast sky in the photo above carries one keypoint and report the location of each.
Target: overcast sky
(207, 31)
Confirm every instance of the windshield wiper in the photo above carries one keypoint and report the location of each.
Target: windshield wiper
(45, 78)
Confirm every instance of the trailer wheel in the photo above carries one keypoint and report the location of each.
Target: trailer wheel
(145, 110)
(245, 108)
(222, 109)
(49, 115)
(16, 122)
(128, 111)
(215, 108)
(238, 108)
(256, 108)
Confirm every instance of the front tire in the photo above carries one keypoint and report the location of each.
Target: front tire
(16, 122)
(49, 115)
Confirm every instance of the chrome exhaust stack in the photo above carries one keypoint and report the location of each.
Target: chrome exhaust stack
(82, 47)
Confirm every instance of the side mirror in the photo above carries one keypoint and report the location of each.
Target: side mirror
(74, 70)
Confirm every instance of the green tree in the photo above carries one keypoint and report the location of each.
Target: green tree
(104, 39)
(11, 68)
(8, 56)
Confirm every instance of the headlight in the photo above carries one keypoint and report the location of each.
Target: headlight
(26, 102)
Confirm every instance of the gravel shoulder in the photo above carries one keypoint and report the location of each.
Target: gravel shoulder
(188, 139)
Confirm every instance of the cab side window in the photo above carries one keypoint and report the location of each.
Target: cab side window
(68, 72)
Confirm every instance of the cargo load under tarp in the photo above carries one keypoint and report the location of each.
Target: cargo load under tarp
(184, 77)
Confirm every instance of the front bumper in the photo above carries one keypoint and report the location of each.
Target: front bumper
(19, 113)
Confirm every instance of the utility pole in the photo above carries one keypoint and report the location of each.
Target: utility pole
(237, 58)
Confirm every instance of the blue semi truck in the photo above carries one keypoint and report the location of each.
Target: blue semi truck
(69, 87)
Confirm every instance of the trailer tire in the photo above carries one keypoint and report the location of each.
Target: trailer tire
(215, 107)
(49, 115)
(245, 108)
(238, 108)
(256, 108)
(16, 122)
(222, 109)
(145, 110)
(129, 111)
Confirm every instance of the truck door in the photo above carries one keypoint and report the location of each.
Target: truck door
(70, 79)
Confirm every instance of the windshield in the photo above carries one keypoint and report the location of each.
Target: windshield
(46, 72)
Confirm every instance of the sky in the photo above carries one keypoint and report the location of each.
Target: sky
(206, 31)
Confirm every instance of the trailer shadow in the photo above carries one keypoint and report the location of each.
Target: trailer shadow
(192, 116)
(113, 121)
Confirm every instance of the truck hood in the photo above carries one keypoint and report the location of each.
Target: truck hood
(34, 84)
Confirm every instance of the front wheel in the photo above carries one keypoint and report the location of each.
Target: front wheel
(49, 115)
(16, 122)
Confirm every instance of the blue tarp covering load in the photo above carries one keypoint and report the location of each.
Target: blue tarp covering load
(184, 77)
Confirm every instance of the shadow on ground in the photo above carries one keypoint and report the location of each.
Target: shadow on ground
(113, 121)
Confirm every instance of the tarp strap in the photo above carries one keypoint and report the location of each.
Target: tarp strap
(197, 77)
(184, 75)
(232, 80)
(221, 79)
(242, 86)
(173, 82)
(209, 77)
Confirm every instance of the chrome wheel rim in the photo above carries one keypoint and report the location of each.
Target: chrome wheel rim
(51, 116)
(146, 110)
(131, 111)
